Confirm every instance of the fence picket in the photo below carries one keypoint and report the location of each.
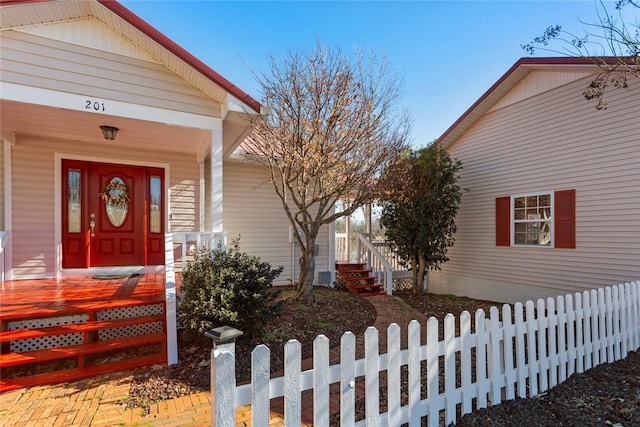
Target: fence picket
(586, 334)
(563, 349)
(508, 329)
(602, 326)
(521, 354)
(609, 324)
(371, 377)
(493, 356)
(413, 343)
(535, 348)
(595, 329)
(634, 315)
(531, 343)
(292, 387)
(543, 361)
(615, 307)
(260, 368)
(466, 343)
(450, 369)
(482, 380)
(552, 342)
(321, 381)
(347, 380)
(433, 380)
(393, 374)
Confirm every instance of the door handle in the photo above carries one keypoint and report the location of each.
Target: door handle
(92, 225)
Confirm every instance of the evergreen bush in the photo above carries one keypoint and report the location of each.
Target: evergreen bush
(226, 288)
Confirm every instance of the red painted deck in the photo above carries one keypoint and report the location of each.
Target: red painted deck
(25, 298)
(37, 306)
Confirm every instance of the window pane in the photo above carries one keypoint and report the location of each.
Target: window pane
(519, 214)
(532, 201)
(155, 194)
(518, 202)
(545, 200)
(74, 209)
(532, 214)
(520, 235)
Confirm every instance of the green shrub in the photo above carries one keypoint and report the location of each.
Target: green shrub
(226, 289)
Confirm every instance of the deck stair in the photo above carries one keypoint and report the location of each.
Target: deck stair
(78, 341)
(358, 279)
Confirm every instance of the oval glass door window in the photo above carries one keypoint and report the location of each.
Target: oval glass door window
(116, 196)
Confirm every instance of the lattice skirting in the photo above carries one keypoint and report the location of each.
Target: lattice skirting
(65, 340)
(42, 343)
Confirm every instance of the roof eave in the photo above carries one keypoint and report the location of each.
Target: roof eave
(124, 13)
(508, 80)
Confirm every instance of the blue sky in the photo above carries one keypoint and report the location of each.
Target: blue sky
(448, 52)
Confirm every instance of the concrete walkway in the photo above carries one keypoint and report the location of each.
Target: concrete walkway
(98, 401)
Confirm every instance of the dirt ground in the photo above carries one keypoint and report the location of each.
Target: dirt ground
(608, 395)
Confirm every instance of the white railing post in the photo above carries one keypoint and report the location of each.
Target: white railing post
(171, 301)
(4, 243)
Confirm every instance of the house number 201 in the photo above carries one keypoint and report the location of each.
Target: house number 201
(94, 105)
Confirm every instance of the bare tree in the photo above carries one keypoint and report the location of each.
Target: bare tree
(332, 129)
(612, 43)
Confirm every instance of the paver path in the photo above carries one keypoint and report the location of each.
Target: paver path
(97, 401)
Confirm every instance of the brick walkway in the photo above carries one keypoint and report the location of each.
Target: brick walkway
(97, 401)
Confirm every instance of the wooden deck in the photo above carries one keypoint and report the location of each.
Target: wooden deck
(20, 298)
(61, 330)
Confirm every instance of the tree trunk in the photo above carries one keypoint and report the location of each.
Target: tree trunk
(417, 268)
(307, 271)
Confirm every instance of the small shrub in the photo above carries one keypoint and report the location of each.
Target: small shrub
(226, 288)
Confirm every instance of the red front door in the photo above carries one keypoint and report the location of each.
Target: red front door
(112, 215)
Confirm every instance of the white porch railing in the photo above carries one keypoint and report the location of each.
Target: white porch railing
(4, 247)
(389, 254)
(504, 357)
(341, 247)
(380, 267)
(191, 241)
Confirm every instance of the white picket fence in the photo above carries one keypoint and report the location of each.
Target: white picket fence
(518, 352)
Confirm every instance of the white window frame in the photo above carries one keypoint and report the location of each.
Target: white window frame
(551, 219)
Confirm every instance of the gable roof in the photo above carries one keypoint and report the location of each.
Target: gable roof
(134, 29)
(509, 80)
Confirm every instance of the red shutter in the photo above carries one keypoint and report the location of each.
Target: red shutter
(565, 219)
(503, 221)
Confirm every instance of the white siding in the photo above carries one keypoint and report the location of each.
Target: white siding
(253, 210)
(553, 141)
(34, 195)
(88, 32)
(535, 83)
(41, 62)
(2, 193)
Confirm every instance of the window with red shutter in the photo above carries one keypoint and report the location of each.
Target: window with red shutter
(528, 218)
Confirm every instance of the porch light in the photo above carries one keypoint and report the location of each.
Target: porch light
(109, 132)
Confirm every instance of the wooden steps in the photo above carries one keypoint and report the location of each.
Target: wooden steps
(358, 279)
(74, 343)
(75, 374)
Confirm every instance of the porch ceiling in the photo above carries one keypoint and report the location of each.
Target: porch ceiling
(58, 123)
